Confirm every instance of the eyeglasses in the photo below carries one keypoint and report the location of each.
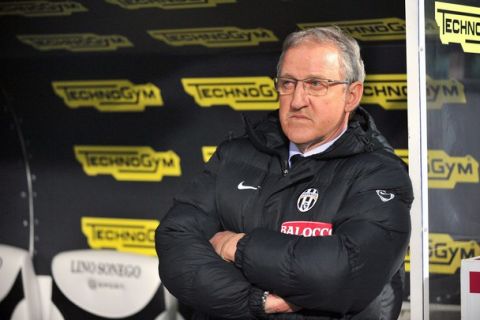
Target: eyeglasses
(312, 86)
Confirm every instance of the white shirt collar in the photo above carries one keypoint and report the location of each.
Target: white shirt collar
(293, 149)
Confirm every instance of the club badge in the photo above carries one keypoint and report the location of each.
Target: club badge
(307, 199)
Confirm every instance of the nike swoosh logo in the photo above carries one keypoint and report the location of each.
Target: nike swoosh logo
(241, 186)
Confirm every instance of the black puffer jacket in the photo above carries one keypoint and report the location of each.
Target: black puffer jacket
(328, 235)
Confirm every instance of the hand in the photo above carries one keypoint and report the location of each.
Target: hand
(276, 304)
(225, 244)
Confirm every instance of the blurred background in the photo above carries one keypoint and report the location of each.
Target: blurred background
(108, 108)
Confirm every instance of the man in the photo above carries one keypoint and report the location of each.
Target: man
(263, 234)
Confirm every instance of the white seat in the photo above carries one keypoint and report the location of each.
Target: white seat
(110, 284)
(12, 261)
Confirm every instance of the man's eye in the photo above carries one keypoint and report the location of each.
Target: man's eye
(314, 83)
(287, 83)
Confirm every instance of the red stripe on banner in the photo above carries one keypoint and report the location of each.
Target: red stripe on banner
(474, 282)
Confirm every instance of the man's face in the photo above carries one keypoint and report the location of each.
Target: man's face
(307, 120)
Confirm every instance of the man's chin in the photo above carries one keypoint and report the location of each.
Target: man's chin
(307, 144)
(302, 140)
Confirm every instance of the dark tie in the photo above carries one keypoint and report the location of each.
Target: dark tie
(294, 160)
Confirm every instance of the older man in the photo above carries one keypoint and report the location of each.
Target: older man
(304, 217)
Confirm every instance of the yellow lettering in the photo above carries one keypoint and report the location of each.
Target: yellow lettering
(75, 42)
(207, 152)
(459, 24)
(386, 29)
(445, 254)
(40, 8)
(168, 4)
(218, 37)
(125, 235)
(444, 171)
(240, 93)
(128, 163)
(108, 95)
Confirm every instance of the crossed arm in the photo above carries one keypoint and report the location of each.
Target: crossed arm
(306, 273)
(367, 247)
(225, 245)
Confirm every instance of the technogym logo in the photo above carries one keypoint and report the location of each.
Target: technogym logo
(385, 29)
(168, 4)
(220, 37)
(445, 171)
(207, 152)
(125, 235)
(108, 95)
(40, 8)
(75, 42)
(459, 24)
(390, 91)
(446, 254)
(128, 163)
(240, 93)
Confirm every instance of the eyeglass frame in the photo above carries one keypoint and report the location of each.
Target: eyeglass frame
(328, 83)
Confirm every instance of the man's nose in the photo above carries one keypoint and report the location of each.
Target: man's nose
(300, 96)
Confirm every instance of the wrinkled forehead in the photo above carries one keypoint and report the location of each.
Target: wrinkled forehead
(313, 56)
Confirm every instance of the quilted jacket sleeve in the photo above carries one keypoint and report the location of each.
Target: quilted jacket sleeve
(346, 271)
(188, 264)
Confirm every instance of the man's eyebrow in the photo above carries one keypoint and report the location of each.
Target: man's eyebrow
(286, 75)
(310, 76)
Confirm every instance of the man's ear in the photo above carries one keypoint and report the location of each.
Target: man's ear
(354, 95)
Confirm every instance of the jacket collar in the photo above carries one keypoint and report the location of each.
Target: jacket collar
(361, 136)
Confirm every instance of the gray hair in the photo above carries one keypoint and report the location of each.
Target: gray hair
(351, 60)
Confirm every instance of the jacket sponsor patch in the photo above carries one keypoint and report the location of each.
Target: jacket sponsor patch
(307, 199)
(307, 228)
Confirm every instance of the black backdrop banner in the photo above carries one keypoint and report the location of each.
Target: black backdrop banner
(110, 107)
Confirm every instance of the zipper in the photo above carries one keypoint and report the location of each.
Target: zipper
(284, 165)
